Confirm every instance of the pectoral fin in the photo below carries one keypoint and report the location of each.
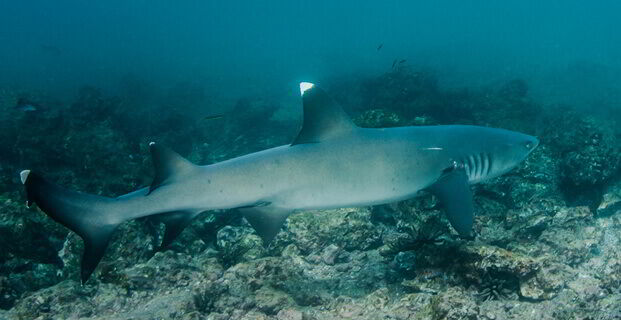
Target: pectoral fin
(266, 220)
(454, 194)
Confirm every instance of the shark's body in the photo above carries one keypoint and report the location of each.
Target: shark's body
(331, 164)
(364, 167)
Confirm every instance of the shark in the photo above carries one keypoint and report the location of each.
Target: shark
(331, 163)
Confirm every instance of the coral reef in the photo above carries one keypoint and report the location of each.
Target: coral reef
(547, 234)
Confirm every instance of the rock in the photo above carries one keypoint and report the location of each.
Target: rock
(587, 287)
(330, 253)
(405, 263)
(611, 202)
(417, 224)
(453, 304)
(572, 215)
(378, 118)
(347, 228)
(481, 257)
(589, 167)
(252, 315)
(546, 283)
(289, 314)
(238, 244)
(29, 252)
(589, 154)
(205, 300)
(272, 301)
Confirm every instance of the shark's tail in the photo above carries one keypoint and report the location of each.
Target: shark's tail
(92, 217)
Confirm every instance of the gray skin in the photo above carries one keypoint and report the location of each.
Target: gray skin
(361, 168)
(331, 164)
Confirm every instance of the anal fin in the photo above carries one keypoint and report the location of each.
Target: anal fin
(454, 195)
(266, 220)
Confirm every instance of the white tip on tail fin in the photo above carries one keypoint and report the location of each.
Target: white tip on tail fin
(151, 143)
(24, 175)
(305, 86)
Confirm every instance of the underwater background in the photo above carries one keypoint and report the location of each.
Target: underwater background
(86, 85)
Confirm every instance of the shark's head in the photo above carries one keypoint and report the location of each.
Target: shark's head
(511, 152)
(492, 152)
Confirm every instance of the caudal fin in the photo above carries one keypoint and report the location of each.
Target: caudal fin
(92, 217)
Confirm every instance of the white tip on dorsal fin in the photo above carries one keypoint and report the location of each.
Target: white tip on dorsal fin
(323, 118)
(304, 86)
(24, 175)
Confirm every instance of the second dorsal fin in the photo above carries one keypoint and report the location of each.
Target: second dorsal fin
(168, 165)
(323, 118)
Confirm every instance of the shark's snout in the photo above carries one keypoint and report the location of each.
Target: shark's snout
(526, 144)
(523, 144)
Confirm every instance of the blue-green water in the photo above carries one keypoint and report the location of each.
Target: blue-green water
(85, 86)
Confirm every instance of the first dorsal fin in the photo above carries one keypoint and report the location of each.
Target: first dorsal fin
(323, 118)
(168, 164)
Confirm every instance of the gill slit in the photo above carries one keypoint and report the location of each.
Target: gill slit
(471, 166)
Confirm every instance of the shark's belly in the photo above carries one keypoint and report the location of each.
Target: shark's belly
(328, 196)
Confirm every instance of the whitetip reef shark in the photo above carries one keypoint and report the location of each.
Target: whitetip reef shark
(332, 163)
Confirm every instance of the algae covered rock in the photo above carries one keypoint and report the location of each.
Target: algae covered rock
(271, 301)
(28, 255)
(589, 152)
(591, 166)
(289, 314)
(453, 304)
(500, 274)
(417, 223)
(237, 244)
(546, 283)
(378, 118)
(611, 201)
(483, 258)
(348, 228)
(330, 254)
